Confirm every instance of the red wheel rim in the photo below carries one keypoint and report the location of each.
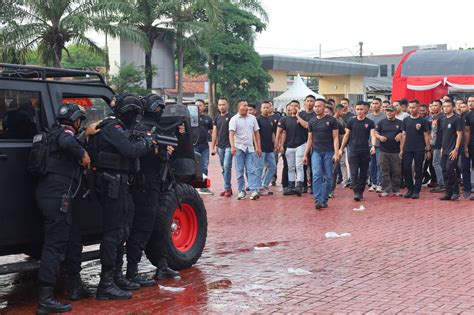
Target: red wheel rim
(184, 228)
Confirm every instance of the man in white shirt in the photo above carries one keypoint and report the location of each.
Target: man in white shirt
(243, 133)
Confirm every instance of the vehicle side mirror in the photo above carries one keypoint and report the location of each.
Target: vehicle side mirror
(194, 115)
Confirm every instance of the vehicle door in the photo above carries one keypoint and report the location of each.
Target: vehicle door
(95, 100)
(25, 110)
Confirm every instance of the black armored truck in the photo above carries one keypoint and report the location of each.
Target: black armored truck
(30, 97)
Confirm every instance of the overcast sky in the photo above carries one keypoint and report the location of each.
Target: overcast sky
(298, 27)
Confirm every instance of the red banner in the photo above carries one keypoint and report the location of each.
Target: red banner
(83, 101)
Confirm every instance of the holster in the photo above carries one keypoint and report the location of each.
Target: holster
(113, 183)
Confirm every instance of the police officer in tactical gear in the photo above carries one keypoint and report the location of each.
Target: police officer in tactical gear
(54, 195)
(113, 159)
(146, 191)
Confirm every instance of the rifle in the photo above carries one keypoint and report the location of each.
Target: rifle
(157, 139)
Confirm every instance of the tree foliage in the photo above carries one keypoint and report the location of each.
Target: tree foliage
(129, 79)
(49, 25)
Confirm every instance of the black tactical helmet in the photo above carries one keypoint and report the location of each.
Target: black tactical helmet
(152, 102)
(69, 112)
(124, 103)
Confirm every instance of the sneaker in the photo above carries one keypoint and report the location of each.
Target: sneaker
(415, 196)
(222, 194)
(205, 191)
(437, 189)
(454, 197)
(372, 188)
(409, 194)
(467, 195)
(265, 192)
(398, 194)
(357, 197)
(445, 197)
(317, 206)
(324, 205)
(385, 194)
(228, 193)
(378, 189)
(472, 198)
(331, 194)
(254, 196)
(241, 195)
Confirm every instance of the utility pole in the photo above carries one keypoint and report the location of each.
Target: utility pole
(360, 51)
(319, 50)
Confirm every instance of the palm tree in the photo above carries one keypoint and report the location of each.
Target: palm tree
(48, 25)
(143, 16)
(187, 17)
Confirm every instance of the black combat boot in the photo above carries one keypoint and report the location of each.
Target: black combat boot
(134, 276)
(123, 283)
(108, 290)
(299, 188)
(164, 272)
(47, 304)
(290, 190)
(77, 289)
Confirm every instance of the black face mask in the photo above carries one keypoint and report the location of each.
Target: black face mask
(129, 118)
(155, 116)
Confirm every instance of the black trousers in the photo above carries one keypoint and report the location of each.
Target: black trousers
(410, 157)
(450, 174)
(115, 221)
(359, 166)
(145, 199)
(429, 171)
(284, 173)
(61, 232)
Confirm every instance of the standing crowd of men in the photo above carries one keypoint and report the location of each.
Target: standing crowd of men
(385, 145)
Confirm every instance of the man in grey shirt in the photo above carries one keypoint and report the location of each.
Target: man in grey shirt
(374, 170)
(243, 134)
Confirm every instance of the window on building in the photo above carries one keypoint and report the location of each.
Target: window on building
(383, 70)
(20, 114)
(393, 70)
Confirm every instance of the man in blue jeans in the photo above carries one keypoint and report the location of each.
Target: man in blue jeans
(243, 133)
(267, 139)
(323, 138)
(202, 143)
(221, 144)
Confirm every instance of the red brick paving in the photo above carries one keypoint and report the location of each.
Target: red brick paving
(408, 256)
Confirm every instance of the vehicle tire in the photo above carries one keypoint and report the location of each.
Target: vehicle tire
(183, 232)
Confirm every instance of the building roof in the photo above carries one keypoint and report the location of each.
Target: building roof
(191, 84)
(318, 66)
(439, 63)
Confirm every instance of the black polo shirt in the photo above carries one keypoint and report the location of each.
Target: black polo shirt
(415, 129)
(389, 129)
(322, 129)
(205, 124)
(222, 125)
(450, 126)
(266, 133)
(470, 122)
(296, 134)
(360, 134)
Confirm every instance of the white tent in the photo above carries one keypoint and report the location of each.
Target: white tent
(297, 91)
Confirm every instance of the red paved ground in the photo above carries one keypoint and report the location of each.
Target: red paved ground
(403, 256)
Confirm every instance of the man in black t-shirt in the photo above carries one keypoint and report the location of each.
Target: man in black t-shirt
(292, 129)
(275, 117)
(267, 140)
(358, 132)
(451, 129)
(389, 131)
(202, 144)
(323, 141)
(468, 132)
(221, 144)
(307, 114)
(415, 141)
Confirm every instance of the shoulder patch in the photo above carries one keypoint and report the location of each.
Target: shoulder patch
(69, 132)
(118, 127)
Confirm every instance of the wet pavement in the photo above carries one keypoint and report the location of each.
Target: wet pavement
(274, 255)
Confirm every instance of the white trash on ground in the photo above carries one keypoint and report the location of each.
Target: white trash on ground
(171, 289)
(299, 271)
(360, 208)
(335, 234)
(261, 248)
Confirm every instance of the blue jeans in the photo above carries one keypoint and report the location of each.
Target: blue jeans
(322, 165)
(267, 160)
(225, 157)
(375, 172)
(204, 151)
(246, 160)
